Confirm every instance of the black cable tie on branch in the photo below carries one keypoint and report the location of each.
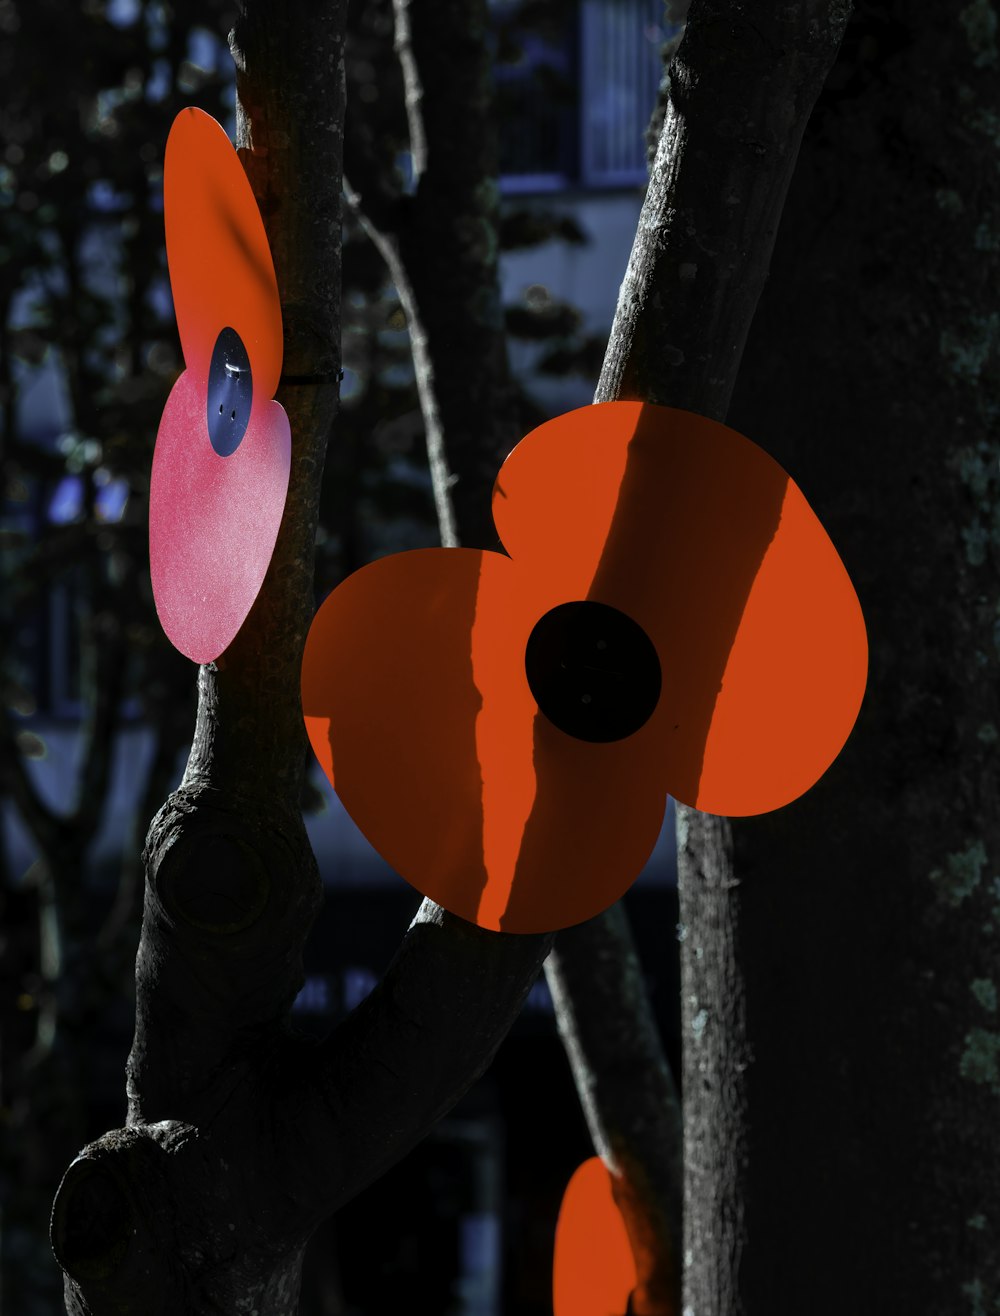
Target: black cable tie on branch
(329, 378)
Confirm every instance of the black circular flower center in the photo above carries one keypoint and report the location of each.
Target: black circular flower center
(593, 671)
(230, 393)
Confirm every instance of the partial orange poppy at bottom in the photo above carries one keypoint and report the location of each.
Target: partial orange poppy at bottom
(593, 1272)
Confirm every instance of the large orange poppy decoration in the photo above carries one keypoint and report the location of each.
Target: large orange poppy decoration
(223, 450)
(671, 619)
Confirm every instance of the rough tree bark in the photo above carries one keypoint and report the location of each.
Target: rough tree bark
(741, 92)
(240, 1135)
(866, 916)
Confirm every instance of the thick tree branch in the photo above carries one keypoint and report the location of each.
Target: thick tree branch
(740, 95)
(124, 915)
(741, 92)
(426, 1033)
(627, 1091)
(241, 1137)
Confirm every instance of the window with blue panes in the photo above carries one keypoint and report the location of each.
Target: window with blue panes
(576, 87)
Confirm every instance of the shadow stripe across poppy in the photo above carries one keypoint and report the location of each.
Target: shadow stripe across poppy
(418, 699)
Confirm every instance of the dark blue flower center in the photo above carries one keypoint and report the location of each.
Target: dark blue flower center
(593, 671)
(230, 393)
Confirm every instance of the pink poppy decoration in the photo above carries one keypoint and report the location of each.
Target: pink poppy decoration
(223, 450)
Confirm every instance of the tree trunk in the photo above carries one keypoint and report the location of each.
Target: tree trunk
(740, 95)
(865, 926)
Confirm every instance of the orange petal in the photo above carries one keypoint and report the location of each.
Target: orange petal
(593, 1272)
(221, 273)
(702, 538)
(417, 706)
